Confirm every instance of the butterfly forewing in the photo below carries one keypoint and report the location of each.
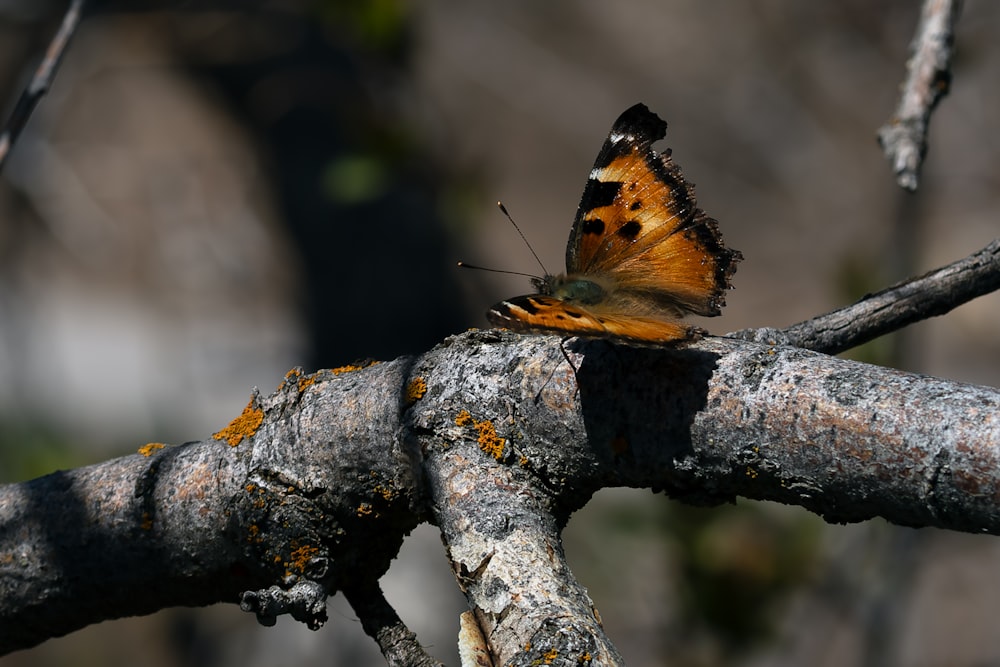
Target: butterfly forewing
(638, 223)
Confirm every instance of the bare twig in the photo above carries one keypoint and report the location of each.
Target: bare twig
(381, 622)
(904, 136)
(895, 307)
(41, 82)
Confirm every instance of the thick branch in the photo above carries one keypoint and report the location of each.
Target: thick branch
(904, 136)
(497, 439)
(934, 293)
(276, 511)
(716, 420)
(121, 538)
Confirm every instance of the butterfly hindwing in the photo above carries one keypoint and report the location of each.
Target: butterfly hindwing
(539, 312)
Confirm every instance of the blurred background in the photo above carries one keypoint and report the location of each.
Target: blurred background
(213, 193)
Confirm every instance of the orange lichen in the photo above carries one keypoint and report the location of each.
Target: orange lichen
(386, 492)
(584, 658)
(300, 379)
(415, 390)
(547, 658)
(243, 426)
(305, 381)
(300, 556)
(364, 509)
(488, 439)
(252, 532)
(349, 368)
(149, 448)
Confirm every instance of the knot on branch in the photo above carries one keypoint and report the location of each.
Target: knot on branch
(305, 601)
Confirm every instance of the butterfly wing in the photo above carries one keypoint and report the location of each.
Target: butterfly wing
(539, 312)
(638, 226)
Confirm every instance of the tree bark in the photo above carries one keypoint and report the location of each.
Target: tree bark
(495, 438)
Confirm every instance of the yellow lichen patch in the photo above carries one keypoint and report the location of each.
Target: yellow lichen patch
(300, 379)
(584, 658)
(386, 492)
(300, 556)
(488, 439)
(364, 509)
(243, 426)
(548, 657)
(147, 521)
(415, 390)
(253, 532)
(349, 368)
(751, 473)
(306, 381)
(149, 448)
(290, 376)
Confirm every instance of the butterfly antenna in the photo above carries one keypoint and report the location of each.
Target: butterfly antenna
(503, 209)
(466, 265)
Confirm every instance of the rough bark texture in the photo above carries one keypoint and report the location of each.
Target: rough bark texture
(497, 439)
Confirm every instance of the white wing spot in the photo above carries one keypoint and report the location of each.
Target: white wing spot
(512, 307)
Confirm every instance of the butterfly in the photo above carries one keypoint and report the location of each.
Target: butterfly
(640, 256)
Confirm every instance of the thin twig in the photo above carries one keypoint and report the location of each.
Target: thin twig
(904, 136)
(381, 622)
(895, 307)
(41, 82)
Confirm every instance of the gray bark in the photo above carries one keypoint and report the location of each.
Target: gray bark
(497, 439)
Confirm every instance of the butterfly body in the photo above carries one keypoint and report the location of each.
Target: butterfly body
(640, 256)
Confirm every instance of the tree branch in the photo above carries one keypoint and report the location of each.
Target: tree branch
(495, 438)
(934, 293)
(904, 136)
(381, 622)
(276, 511)
(42, 80)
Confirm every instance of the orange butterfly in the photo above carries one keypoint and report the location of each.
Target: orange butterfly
(640, 255)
